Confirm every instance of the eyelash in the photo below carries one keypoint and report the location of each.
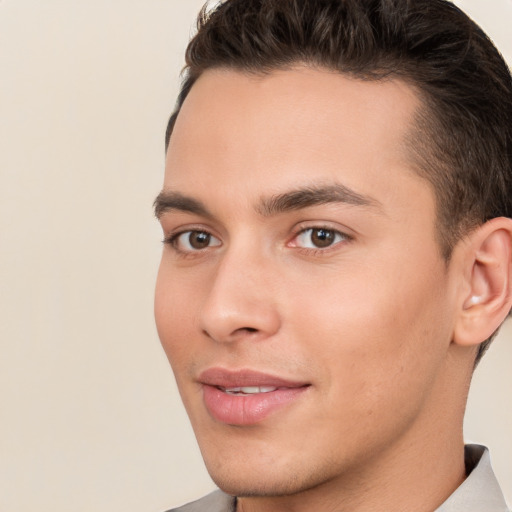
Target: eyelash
(173, 240)
(319, 251)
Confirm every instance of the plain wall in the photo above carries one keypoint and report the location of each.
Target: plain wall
(90, 419)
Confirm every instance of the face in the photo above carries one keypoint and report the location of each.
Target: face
(301, 299)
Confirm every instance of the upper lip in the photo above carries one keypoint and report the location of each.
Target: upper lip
(224, 378)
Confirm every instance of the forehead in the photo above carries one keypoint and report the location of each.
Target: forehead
(259, 133)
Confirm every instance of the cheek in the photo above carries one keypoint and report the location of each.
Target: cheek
(174, 315)
(375, 328)
(375, 358)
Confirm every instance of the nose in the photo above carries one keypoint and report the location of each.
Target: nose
(242, 301)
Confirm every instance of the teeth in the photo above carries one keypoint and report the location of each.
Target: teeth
(249, 390)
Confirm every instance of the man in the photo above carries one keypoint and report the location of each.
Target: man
(336, 213)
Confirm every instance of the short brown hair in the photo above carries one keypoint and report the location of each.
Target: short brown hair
(463, 141)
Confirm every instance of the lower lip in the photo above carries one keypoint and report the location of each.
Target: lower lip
(247, 409)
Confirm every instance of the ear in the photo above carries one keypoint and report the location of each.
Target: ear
(486, 294)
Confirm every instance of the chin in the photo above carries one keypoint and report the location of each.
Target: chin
(243, 476)
(259, 486)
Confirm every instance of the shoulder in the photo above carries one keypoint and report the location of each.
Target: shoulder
(217, 501)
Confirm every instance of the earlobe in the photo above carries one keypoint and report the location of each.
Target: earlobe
(487, 296)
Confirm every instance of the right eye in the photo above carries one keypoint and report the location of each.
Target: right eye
(193, 241)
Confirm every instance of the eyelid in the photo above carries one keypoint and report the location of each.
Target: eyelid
(307, 226)
(172, 240)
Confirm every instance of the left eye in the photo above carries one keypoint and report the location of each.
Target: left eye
(318, 238)
(194, 241)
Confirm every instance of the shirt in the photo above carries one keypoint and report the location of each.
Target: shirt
(480, 491)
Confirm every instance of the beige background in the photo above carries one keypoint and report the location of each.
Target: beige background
(90, 419)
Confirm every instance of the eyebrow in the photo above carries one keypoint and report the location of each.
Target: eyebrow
(314, 196)
(168, 201)
(293, 200)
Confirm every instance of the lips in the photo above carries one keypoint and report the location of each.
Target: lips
(246, 397)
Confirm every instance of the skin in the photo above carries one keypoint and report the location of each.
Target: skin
(368, 321)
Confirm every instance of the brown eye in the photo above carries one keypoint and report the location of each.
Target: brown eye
(319, 238)
(322, 237)
(199, 239)
(191, 241)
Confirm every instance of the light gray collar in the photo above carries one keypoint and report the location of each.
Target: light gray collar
(480, 492)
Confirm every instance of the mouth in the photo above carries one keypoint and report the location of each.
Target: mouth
(248, 390)
(247, 397)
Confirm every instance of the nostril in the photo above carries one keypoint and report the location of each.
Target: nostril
(245, 330)
(234, 335)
